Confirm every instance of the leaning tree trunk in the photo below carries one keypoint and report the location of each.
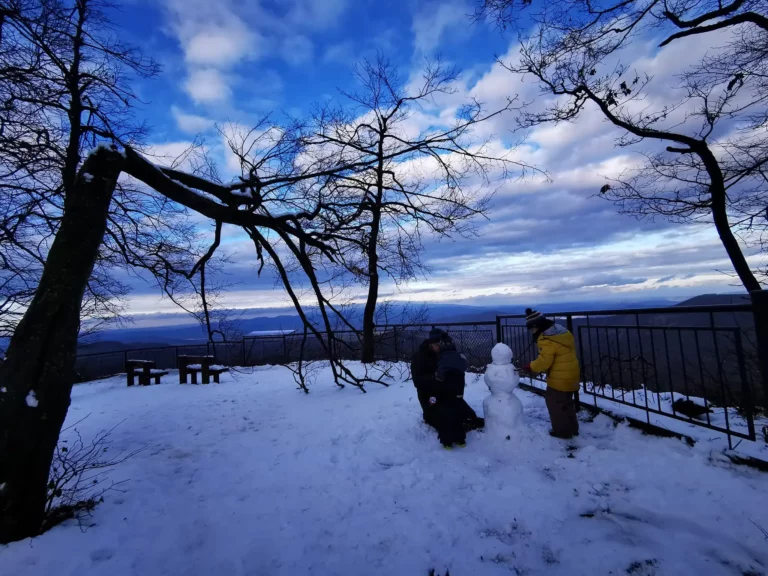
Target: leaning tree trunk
(719, 208)
(37, 375)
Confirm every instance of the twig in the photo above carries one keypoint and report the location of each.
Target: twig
(763, 530)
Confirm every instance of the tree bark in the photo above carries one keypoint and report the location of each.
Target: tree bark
(38, 372)
(369, 325)
(369, 313)
(722, 225)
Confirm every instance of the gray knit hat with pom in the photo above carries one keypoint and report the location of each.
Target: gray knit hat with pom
(533, 318)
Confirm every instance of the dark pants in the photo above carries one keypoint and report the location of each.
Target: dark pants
(449, 421)
(452, 419)
(562, 412)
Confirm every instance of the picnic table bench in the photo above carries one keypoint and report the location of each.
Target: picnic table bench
(192, 365)
(145, 369)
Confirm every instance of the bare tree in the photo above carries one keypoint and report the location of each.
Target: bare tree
(65, 87)
(111, 209)
(278, 202)
(705, 141)
(417, 174)
(40, 358)
(714, 134)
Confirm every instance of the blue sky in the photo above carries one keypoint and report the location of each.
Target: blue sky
(232, 61)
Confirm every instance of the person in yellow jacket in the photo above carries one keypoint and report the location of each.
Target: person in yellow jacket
(557, 359)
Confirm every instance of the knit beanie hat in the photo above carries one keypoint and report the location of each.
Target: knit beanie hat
(435, 335)
(446, 342)
(533, 318)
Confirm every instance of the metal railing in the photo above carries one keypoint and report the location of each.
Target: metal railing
(698, 364)
(650, 359)
(394, 343)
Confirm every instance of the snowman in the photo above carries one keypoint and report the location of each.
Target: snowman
(503, 410)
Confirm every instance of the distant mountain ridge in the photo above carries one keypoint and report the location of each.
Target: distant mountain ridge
(717, 300)
(181, 334)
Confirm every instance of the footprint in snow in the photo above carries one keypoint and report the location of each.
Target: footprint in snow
(102, 555)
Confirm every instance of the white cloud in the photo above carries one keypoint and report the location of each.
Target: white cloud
(684, 258)
(435, 19)
(218, 37)
(543, 239)
(210, 34)
(221, 46)
(315, 14)
(190, 123)
(207, 86)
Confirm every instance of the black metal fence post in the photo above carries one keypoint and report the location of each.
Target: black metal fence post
(397, 350)
(760, 314)
(576, 395)
(498, 329)
(746, 393)
(582, 369)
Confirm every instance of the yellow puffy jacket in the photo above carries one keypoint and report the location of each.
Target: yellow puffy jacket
(557, 358)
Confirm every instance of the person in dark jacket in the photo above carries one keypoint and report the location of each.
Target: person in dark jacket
(424, 366)
(451, 370)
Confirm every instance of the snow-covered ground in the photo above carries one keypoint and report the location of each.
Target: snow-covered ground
(718, 416)
(252, 477)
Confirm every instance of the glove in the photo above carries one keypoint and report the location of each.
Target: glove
(526, 371)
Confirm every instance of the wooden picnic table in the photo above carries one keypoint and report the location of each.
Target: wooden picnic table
(192, 365)
(145, 369)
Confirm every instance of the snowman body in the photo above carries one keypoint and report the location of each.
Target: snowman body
(502, 409)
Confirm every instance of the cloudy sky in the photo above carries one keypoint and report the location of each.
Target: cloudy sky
(544, 241)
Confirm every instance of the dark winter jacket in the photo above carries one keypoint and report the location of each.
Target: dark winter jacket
(423, 368)
(450, 372)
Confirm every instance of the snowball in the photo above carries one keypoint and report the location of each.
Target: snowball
(32, 399)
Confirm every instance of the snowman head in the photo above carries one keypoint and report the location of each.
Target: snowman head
(501, 354)
(501, 376)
